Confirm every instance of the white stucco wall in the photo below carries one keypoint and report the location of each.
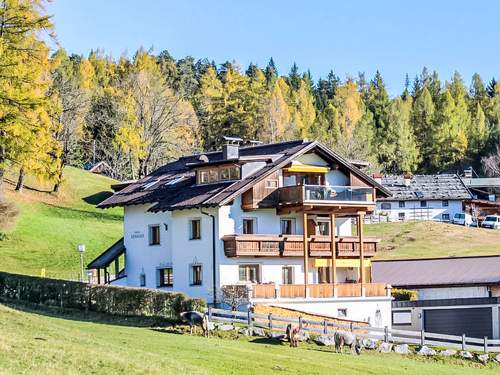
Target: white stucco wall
(454, 292)
(374, 310)
(413, 211)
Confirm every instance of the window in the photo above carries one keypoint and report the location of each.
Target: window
(196, 274)
(249, 226)
(271, 184)
(423, 203)
(401, 204)
(165, 277)
(288, 226)
(195, 229)
(154, 235)
(323, 227)
(234, 173)
(142, 279)
(401, 318)
(401, 215)
(323, 275)
(445, 203)
(385, 206)
(287, 275)
(445, 217)
(249, 273)
(341, 313)
(224, 174)
(203, 177)
(213, 175)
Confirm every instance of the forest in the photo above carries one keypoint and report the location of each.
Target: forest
(137, 113)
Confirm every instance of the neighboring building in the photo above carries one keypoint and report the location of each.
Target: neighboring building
(275, 219)
(99, 168)
(486, 194)
(422, 197)
(454, 295)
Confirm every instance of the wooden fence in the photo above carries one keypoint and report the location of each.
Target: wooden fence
(325, 327)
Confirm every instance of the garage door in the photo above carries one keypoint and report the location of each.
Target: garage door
(474, 322)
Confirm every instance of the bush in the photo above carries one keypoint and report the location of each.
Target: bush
(404, 295)
(115, 300)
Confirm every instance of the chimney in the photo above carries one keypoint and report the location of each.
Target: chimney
(230, 151)
(377, 177)
(407, 179)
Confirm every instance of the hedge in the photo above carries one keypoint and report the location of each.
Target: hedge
(404, 295)
(116, 300)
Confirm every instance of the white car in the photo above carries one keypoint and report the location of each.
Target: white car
(491, 221)
(462, 219)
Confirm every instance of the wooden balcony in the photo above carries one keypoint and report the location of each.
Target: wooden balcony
(271, 291)
(255, 245)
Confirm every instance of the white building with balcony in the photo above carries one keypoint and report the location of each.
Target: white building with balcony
(273, 219)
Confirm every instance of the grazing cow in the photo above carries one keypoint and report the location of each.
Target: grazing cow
(292, 334)
(349, 339)
(194, 318)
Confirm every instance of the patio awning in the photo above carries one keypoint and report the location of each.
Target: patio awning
(107, 257)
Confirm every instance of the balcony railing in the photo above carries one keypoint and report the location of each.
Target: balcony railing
(272, 291)
(293, 246)
(301, 194)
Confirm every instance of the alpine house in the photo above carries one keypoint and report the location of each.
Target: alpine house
(283, 222)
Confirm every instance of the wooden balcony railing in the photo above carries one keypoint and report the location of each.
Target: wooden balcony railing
(293, 246)
(318, 290)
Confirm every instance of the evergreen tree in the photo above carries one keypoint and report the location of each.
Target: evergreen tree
(398, 152)
(271, 72)
(490, 90)
(294, 79)
(422, 120)
(186, 84)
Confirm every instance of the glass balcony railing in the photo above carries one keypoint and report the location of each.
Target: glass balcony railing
(337, 193)
(324, 194)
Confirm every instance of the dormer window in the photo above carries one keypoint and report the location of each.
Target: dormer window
(216, 174)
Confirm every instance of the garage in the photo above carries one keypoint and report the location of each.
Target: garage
(474, 322)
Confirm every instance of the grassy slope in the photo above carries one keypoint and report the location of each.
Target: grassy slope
(50, 227)
(48, 344)
(427, 239)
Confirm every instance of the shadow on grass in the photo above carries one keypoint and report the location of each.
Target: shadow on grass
(97, 198)
(269, 341)
(70, 213)
(90, 316)
(27, 187)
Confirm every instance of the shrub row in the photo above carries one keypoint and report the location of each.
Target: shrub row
(116, 300)
(404, 294)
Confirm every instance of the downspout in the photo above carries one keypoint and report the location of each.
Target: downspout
(214, 263)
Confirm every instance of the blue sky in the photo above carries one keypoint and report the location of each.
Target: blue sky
(395, 37)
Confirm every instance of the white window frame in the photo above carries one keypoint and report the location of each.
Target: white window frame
(254, 219)
(150, 234)
(384, 205)
(159, 279)
(190, 228)
(292, 268)
(259, 272)
(191, 274)
(293, 224)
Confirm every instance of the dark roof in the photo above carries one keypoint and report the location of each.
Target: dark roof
(426, 187)
(437, 272)
(184, 193)
(113, 252)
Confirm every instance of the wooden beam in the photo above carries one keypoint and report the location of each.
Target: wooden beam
(333, 279)
(360, 221)
(98, 276)
(306, 255)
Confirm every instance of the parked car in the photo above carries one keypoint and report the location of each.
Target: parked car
(491, 221)
(462, 219)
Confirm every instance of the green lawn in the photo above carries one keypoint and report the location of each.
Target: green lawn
(427, 239)
(50, 227)
(32, 342)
